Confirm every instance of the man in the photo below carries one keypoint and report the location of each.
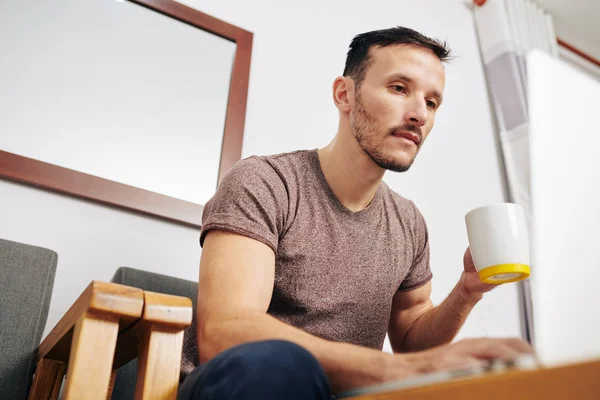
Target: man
(309, 259)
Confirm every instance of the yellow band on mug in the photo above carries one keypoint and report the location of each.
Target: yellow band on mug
(504, 273)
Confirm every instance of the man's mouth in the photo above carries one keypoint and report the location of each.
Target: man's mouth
(408, 135)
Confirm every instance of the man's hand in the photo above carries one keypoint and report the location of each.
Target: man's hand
(473, 352)
(469, 281)
(465, 353)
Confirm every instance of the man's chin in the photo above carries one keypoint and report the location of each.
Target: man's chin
(399, 167)
(394, 165)
(399, 161)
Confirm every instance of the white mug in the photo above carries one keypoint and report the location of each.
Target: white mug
(499, 242)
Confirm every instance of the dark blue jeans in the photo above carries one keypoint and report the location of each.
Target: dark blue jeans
(272, 369)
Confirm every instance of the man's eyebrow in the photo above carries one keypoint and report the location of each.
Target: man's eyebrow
(401, 77)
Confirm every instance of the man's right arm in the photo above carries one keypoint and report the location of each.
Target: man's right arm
(235, 287)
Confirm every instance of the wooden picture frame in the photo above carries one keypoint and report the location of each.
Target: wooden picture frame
(63, 180)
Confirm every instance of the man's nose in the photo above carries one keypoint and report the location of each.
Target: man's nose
(417, 112)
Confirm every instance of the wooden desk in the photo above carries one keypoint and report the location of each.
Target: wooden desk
(573, 382)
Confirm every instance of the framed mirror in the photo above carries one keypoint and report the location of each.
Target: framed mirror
(138, 104)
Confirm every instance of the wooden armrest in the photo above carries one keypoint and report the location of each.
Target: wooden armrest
(167, 311)
(161, 311)
(124, 302)
(106, 327)
(157, 340)
(85, 339)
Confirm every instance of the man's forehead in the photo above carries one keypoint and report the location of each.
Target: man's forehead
(407, 59)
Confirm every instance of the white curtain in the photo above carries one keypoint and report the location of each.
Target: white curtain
(507, 31)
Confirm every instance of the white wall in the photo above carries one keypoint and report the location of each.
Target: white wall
(569, 31)
(299, 48)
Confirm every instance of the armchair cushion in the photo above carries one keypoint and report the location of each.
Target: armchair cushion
(27, 278)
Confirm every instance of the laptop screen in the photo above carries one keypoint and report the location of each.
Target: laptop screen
(564, 107)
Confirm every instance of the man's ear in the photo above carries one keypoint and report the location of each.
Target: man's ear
(343, 92)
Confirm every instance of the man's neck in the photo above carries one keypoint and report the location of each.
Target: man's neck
(350, 172)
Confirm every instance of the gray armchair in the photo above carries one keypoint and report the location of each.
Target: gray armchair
(26, 281)
(124, 386)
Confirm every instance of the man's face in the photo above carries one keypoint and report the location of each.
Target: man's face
(395, 105)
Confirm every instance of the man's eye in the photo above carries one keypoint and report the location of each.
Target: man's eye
(431, 104)
(399, 88)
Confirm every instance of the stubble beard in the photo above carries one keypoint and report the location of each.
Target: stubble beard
(365, 129)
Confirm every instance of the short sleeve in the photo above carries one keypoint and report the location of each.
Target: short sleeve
(251, 200)
(420, 271)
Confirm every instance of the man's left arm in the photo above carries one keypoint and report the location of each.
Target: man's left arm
(415, 324)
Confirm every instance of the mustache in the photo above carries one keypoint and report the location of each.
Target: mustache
(408, 128)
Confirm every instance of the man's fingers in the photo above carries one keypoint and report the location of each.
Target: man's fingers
(498, 350)
(477, 353)
(491, 349)
(519, 345)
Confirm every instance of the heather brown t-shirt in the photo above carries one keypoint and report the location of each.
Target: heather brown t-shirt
(336, 271)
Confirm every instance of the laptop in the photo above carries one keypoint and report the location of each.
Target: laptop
(564, 144)
(564, 141)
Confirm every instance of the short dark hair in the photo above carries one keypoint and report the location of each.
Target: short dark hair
(358, 60)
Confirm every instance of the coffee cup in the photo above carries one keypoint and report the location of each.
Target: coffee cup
(499, 242)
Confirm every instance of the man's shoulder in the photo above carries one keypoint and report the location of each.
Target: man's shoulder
(288, 160)
(284, 165)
